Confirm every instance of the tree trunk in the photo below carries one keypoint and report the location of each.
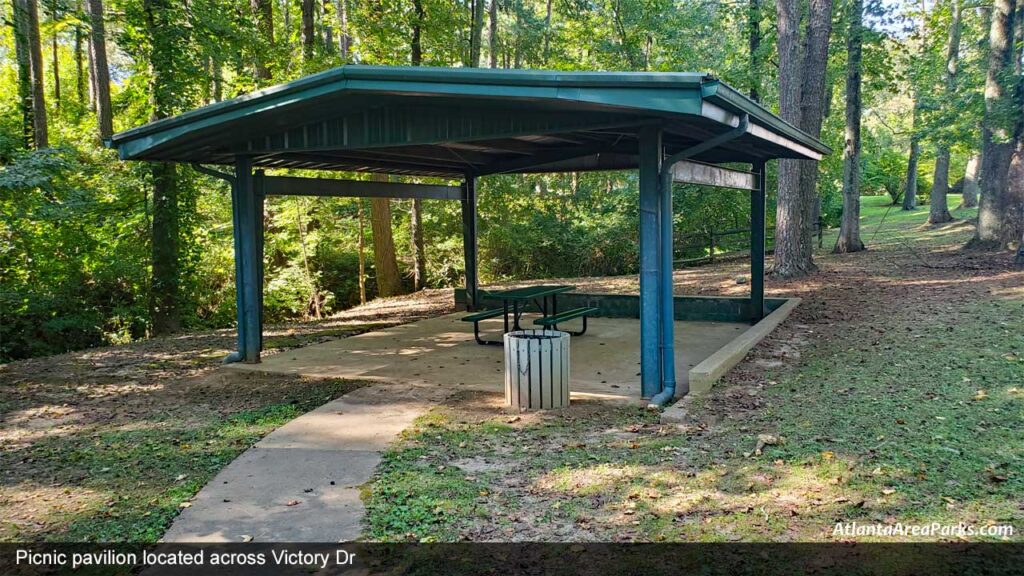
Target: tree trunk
(217, 79)
(801, 102)
(476, 32)
(419, 255)
(849, 229)
(20, 14)
(314, 291)
(164, 306)
(99, 69)
(492, 36)
(910, 189)
(389, 282)
(80, 80)
(40, 128)
(362, 254)
(998, 125)
(969, 198)
(547, 32)
(54, 55)
(344, 40)
(308, 32)
(416, 45)
(264, 11)
(1013, 216)
(789, 212)
(754, 45)
(812, 101)
(939, 210)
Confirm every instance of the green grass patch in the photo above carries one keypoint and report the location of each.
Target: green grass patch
(126, 482)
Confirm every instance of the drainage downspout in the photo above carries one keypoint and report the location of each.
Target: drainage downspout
(238, 355)
(668, 357)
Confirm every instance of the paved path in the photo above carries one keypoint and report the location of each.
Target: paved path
(301, 482)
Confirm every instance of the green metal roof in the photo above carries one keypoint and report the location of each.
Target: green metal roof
(450, 121)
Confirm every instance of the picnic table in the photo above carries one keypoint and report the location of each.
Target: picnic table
(518, 300)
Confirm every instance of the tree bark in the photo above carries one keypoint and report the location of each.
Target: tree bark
(80, 80)
(910, 189)
(969, 197)
(547, 31)
(492, 36)
(100, 71)
(789, 212)
(308, 32)
(300, 227)
(20, 15)
(939, 209)
(802, 103)
(344, 40)
(264, 12)
(362, 253)
(997, 134)
(54, 55)
(40, 127)
(416, 45)
(754, 45)
(476, 32)
(849, 228)
(419, 254)
(164, 307)
(812, 100)
(389, 282)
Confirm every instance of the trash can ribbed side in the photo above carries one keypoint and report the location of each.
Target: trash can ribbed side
(537, 369)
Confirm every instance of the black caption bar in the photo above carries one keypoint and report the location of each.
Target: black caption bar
(31, 559)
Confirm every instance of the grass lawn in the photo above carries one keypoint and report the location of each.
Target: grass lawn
(894, 394)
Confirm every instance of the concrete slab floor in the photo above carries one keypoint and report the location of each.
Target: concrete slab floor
(441, 352)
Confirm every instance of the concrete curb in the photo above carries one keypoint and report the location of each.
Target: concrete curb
(703, 375)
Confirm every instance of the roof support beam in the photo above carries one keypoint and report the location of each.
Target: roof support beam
(292, 186)
(688, 172)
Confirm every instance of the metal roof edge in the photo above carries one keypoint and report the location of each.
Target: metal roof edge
(726, 96)
(475, 76)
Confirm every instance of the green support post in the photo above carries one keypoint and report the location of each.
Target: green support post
(757, 238)
(469, 242)
(248, 260)
(650, 261)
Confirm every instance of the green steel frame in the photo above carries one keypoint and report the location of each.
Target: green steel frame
(460, 124)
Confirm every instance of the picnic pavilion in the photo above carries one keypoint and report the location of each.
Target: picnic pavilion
(458, 125)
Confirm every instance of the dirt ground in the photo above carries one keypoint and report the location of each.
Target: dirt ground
(160, 391)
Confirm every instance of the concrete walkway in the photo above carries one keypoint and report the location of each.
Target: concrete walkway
(301, 482)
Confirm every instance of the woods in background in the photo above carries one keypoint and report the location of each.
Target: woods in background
(921, 99)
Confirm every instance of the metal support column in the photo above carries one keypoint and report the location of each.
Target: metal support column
(757, 239)
(668, 316)
(469, 242)
(650, 262)
(248, 260)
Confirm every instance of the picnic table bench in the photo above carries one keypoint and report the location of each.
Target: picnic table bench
(543, 297)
